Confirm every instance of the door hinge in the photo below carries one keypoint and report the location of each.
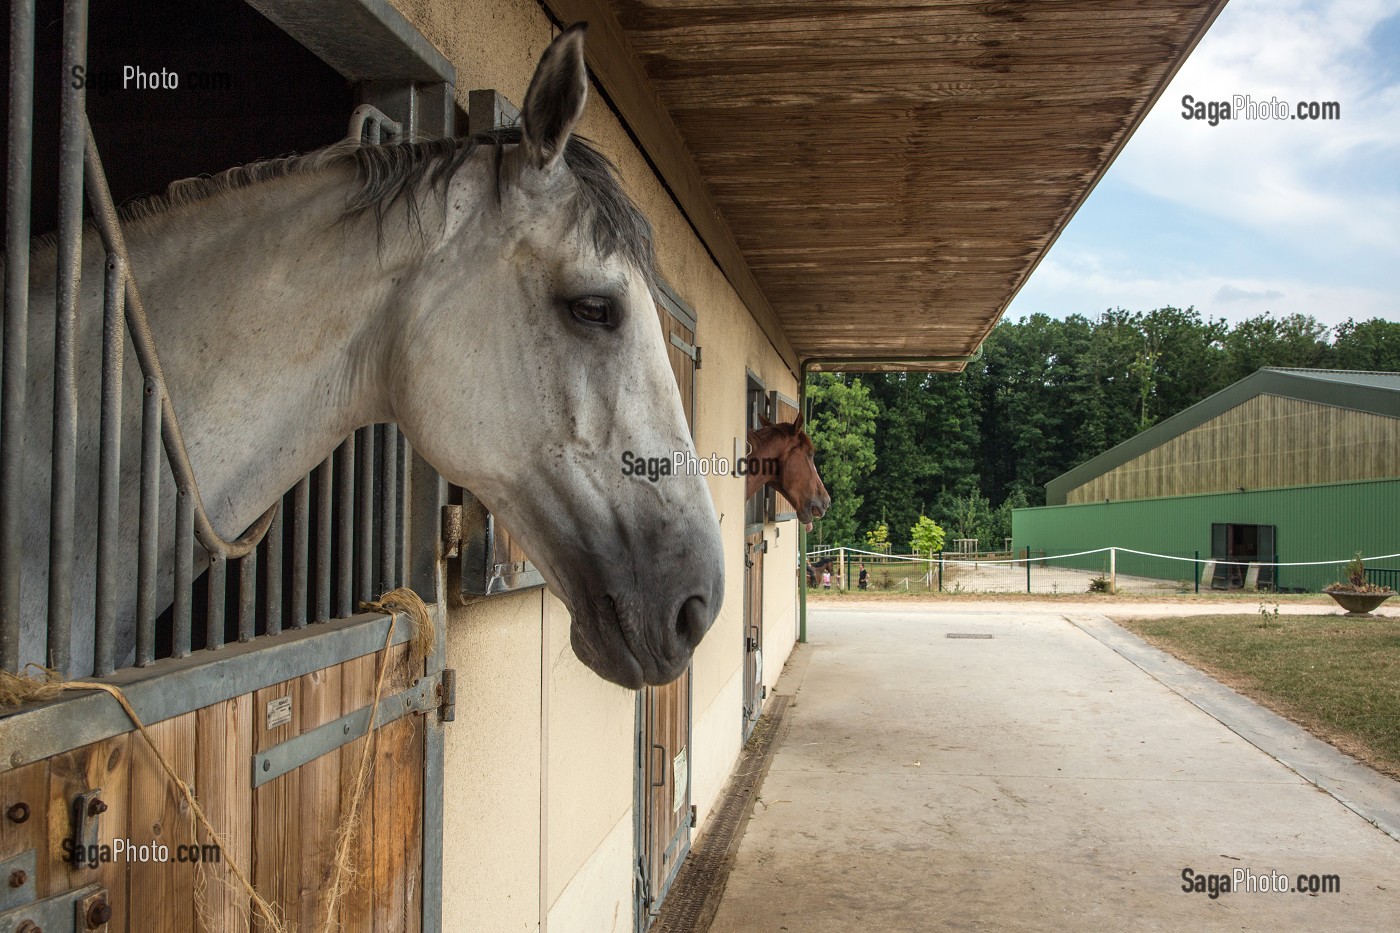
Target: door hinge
(692, 816)
(447, 695)
(697, 356)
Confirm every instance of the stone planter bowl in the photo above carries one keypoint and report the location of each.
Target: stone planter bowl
(1358, 604)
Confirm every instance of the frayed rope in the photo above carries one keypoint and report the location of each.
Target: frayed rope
(16, 689)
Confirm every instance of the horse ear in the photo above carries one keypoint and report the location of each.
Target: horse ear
(797, 424)
(763, 420)
(554, 103)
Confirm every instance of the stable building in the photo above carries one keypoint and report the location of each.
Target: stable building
(830, 188)
(1287, 466)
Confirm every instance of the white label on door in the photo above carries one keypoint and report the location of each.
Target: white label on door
(279, 712)
(680, 771)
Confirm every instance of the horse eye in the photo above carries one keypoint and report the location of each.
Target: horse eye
(592, 310)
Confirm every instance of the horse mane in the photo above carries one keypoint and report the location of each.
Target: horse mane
(391, 172)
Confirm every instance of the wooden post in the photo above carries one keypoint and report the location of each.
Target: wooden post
(841, 569)
(940, 571)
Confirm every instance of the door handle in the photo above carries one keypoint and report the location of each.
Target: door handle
(662, 750)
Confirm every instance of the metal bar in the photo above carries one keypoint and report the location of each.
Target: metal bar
(402, 492)
(272, 598)
(323, 539)
(105, 219)
(173, 687)
(18, 182)
(110, 467)
(1028, 568)
(214, 616)
(301, 541)
(248, 596)
(276, 760)
(364, 530)
(389, 523)
(183, 613)
(428, 492)
(63, 492)
(148, 548)
(345, 528)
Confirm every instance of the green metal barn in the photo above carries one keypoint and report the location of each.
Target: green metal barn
(1285, 466)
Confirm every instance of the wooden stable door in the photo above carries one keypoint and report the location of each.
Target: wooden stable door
(280, 831)
(754, 548)
(663, 713)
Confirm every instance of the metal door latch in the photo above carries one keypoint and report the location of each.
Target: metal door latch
(88, 808)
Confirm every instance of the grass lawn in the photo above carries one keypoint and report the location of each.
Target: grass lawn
(1337, 677)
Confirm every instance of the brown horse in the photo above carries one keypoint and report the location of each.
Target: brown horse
(782, 457)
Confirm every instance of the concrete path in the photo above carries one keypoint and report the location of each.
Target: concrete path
(1037, 780)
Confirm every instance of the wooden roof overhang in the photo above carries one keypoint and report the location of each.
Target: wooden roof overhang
(879, 179)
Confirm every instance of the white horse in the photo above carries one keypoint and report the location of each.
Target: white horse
(491, 296)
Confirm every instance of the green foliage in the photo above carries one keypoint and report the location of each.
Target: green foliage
(878, 537)
(1044, 396)
(1356, 571)
(926, 536)
(842, 428)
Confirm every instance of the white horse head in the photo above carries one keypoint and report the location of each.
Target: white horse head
(491, 296)
(555, 337)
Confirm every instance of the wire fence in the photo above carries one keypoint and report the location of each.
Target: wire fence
(1107, 569)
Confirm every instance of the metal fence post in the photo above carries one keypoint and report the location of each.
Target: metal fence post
(1196, 567)
(1028, 568)
(1113, 570)
(940, 570)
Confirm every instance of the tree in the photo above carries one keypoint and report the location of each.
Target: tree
(926, 536)
(842, 428)
(878, 538)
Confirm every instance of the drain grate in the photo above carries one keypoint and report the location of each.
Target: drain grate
(693, 900)
(967, 635)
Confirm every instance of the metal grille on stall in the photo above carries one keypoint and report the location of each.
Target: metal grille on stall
(250, 660)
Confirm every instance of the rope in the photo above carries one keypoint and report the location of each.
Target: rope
(1102, 550)
(404, 600)
(16, 689)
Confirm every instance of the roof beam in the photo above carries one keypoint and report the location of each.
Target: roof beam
(619, 71)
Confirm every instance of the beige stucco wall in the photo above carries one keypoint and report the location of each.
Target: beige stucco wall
(539, 796)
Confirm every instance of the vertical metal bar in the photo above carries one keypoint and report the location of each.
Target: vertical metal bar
(71, 141)
(323, 539)
(148, 547)
(345, 529)
(1028, 568)
(272, 598)
(16, 362)
(1197, 565)
(402, 492)
(248, 595)
(364, 531)
(389, 524)
(182, 616)
(110, 467)
(301, 540)
(214, 618)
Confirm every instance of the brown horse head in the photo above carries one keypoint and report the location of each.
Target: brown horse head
(783, 455)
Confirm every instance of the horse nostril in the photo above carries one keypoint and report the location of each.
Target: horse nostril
(692, 621)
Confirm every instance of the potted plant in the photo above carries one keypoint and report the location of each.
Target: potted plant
(1357, 596)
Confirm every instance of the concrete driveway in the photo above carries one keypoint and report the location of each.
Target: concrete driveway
(1037, 780)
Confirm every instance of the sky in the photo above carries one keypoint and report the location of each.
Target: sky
(1250, 216)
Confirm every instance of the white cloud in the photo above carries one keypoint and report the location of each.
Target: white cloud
(1331, 188)
(1083, 283)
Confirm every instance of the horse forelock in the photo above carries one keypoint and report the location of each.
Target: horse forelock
(392, 172)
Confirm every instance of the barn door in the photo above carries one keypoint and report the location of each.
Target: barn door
(663, 713)
(754, 548)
